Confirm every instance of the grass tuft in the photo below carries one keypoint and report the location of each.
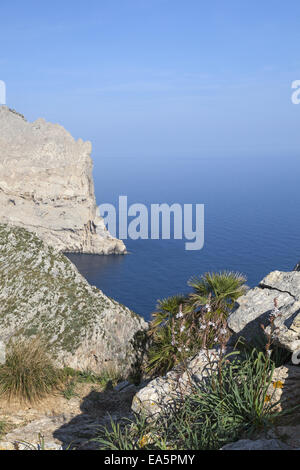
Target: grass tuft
(29, 373)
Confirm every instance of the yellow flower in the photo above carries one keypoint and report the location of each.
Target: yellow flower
(143, 441)
(278, 384)
(267, 398)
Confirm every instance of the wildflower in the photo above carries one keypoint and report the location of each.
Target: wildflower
(179, 314)
(211, 323)
(274, 314)
(267, 398)
(179, 349)
(278, 384)
(223, 331)
(202, 326)
(182, 328)
(208, 307)
(143, 441)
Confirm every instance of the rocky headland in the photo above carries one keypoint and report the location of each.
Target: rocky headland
(46, 186)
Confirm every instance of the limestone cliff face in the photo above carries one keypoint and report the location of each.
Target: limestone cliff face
(253, 310)
(46, 186)
(42, 293)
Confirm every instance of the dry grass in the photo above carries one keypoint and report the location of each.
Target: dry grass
(29, 373)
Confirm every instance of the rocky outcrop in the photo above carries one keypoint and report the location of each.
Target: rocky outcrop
(254, 309)
(42, 293)
(46, 186)
(161, 392)
(297, 267)
(56, 422)
(285, 388)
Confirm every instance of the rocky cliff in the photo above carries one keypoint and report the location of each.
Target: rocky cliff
(42, 293)
(46, 186)
(254, 309)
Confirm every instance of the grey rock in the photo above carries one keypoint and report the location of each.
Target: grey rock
(161, 392)
(297, 267)
(42, 293)
(259, 444)
(254, 308)
(46, 186)
(285, 387)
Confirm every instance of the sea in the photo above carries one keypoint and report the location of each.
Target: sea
(251, 223)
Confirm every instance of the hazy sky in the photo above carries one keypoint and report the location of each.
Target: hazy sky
(158, 78)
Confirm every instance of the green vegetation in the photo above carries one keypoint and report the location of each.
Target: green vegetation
(108, 379)
(182, 325)
(42, 293)
(28, 373)
(231, 403)
(3, 426)
(221, 290)
(70, 390)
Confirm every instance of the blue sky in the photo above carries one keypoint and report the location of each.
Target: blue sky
(158, 79)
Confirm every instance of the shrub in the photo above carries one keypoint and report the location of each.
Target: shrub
(231, 403)
(28, 373)
(220, 290)
(182, 325)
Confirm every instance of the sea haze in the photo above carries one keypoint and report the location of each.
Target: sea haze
(251, 223)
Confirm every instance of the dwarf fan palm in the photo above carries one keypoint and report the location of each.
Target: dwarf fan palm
(220, 289)
(166, 309)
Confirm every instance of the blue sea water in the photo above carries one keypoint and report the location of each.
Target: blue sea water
(252, 223)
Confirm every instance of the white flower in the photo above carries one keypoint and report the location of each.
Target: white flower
(275, 312)
(179, 349)
(208, 307)
(182, 328)
(202, 327)
(211, 323)
(223, 331)
(179, 314)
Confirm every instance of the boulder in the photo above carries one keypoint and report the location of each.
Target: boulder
(161, 392)
(42, 293)
(46, 186)
(254, 309)
(285, 387)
